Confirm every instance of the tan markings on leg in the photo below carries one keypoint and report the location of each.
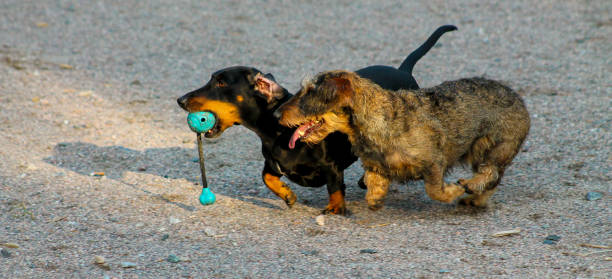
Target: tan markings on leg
(279, 188)
(438, 190)
(336, 203)
(378, 186)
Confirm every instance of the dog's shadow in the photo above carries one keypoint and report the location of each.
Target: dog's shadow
(169, 163)
(182, 163)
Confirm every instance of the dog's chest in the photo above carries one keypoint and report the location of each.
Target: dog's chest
(387, 160)
(297, 164)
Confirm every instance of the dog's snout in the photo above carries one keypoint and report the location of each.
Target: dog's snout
(182, 102)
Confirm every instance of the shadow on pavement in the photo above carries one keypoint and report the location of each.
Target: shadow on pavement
(172, 163)
(182, 163)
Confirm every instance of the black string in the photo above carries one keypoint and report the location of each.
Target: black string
(201, 153)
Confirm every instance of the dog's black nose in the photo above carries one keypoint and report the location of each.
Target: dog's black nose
(182, 102)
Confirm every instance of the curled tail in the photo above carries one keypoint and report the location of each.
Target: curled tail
(414, 57)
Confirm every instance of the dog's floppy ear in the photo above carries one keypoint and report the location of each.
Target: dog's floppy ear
(267, 87)
(270, 77)
(337, 89)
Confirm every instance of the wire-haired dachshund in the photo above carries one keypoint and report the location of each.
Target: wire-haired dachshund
(415, 134)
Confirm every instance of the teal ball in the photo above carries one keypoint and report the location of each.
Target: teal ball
(201, 121)
(207, 197)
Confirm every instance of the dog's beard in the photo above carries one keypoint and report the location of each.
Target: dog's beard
(305, 131)
(317, 129)
(317, 136)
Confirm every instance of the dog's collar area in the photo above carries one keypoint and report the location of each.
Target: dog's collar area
(279, 101)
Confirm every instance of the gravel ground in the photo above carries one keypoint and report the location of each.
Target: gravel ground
(90, 86)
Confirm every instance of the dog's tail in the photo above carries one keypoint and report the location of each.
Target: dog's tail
(414, 57)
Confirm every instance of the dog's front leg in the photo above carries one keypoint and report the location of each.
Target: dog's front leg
(377, 185)
(272, 180)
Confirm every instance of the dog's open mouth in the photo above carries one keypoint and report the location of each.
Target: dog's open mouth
(213, 133)
(215, 130)
(304, 130)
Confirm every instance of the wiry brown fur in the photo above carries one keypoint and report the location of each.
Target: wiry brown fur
(414, 134)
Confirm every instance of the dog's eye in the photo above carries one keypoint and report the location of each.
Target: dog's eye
(221, 83)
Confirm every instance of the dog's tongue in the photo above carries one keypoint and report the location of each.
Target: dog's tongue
(296, 135)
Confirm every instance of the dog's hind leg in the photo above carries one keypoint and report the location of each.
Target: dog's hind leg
(489, 171)
(484, 177)
(272, 180)
(335, 188)
(436, 188)
(481, 186)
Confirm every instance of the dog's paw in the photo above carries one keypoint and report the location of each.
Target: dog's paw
(473, 200)
(375, 196)
(463, 183)
(290, 199)
(337, 210)
(375, 207)
(375, 204)
(471, 188)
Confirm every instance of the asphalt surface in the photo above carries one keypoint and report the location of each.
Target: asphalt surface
(90, 86)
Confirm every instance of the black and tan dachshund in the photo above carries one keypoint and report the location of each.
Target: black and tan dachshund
(246, 96)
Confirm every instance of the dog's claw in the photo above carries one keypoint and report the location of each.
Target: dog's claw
(290, 199)
(336, 211)
(375, 207)
(463, 184)
(335, 207)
